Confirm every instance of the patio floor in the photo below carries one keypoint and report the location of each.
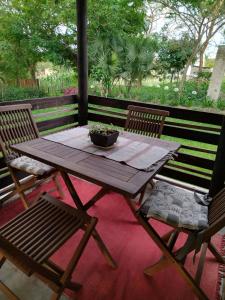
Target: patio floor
(130, 246)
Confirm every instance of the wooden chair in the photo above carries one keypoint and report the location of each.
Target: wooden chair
(30, 239)
(16, 126)
(146, 121)
(196, 239)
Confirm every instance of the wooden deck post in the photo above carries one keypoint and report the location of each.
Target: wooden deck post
(82, 61)
(218, 177)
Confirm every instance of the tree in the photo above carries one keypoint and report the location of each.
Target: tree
(46, 30)
(136, 58)
(111, 23)
(104, 62)
(201, 19)
(174, 54)
(36, 30)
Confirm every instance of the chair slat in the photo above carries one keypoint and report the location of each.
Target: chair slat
(145, 121)
(217, 207)
(16, 125)
(23, 217)
(38, 232)
(33, 225)
(51, 235)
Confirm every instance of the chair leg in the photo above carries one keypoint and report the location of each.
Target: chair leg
(167, 236)
(65, 279)
(161, 264)
(171, 257)
(8, 292)
(23, 199)
(200, 268)
(2, 260)
(19, 188)
(58, 186)
(215, 252)
(56, 296)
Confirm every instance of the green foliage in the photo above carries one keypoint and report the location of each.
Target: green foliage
(127, 58)
(111, 25)
(205, 75)
(115, 18)
(56, 83)
(119, 51)
(105, 63)
(209, 62)
(221, 104)
(136, 57)
(33, 31)
(194, 94)
(42, 30)
(101, 129)
(16, 93)
(174, 54)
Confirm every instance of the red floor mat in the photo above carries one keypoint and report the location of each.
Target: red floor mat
(132, 249)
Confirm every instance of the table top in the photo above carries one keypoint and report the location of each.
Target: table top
(102, 171)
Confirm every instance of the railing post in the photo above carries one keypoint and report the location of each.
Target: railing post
(82, 62)
(218, 177)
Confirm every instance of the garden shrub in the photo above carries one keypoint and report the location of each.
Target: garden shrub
(221, 104)
(205, 75)
(19, 93)
(194, 93)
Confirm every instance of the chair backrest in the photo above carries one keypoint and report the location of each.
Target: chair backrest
(216, 215)
(16, 126)
(146, 121)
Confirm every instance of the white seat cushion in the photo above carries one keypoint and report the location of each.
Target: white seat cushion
(175, 206)
(31, 166)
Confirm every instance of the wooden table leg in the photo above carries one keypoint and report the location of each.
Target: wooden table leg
(80, 205)
(104, 249)
(131, 205)
(72, 190)
(96, 197)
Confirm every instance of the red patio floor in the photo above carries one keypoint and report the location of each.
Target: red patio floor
(132, 249)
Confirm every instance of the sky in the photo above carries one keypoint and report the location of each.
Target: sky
(211, 51)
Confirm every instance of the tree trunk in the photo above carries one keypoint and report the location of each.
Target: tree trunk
(188, 64)
(32, 70)
(201, 58)
(184, 75)
(139, 82)
(201, 62)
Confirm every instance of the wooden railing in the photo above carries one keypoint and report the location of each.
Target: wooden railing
(51, 114)
(197, 131)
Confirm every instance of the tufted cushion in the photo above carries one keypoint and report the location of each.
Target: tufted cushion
(176, 206)
(30, 166)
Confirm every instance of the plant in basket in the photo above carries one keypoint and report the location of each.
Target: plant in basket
(103, 136)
